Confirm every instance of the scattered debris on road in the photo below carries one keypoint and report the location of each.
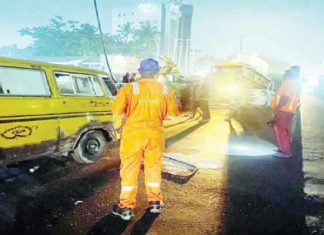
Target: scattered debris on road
(200, 162)
(33, 169)
(78, 202)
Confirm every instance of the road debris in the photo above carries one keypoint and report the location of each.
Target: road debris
(201, 162)
(33, 169)
(78, 202)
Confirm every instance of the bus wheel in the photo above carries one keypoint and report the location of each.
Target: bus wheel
(92, 146)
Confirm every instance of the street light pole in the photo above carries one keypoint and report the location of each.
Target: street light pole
(241, 44)
(102, 41)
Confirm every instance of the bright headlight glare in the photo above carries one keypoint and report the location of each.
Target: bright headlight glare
(233, 88)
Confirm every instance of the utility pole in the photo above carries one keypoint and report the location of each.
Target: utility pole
(241, 44)
(163, 29)
(102, 41)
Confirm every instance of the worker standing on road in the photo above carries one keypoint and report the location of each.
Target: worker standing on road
(144, 105)
(284, 104)
(126, 78)
(201, 100)
(295, 72)
(204, 100)
(195, 98)
(133, 77)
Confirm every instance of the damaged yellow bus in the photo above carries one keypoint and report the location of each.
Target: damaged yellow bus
(49, 109)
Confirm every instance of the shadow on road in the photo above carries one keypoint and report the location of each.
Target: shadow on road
(113, 225)
(109, 225)
(39, 206)
(143, 225)
(265, 195)
(175, 138)
(178, 123)
(233, 132)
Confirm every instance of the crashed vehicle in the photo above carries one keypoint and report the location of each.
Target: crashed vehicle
(240, 85)
(171, 76)
(49, 109)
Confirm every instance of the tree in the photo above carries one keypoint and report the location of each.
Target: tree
(125, 36)
(146, 39)
(126, 31)
(63, 38)
(114, 43)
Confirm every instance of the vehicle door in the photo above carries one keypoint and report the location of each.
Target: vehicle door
(111, 88)
(84, 105)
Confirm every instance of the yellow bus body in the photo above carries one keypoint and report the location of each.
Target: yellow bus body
(33, 126)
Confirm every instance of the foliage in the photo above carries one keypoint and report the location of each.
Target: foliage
(146, 37)
(141, 40)
(126, 31)
(62, 38)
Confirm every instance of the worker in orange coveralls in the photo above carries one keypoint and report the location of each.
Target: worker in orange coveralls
(144, 105)
(285, 104)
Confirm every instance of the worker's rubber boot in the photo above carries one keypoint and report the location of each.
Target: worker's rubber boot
(124, 213)
(155, 207)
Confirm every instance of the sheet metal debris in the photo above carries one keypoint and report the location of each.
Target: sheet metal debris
(177, 171)
(78, 202)
(201, 162)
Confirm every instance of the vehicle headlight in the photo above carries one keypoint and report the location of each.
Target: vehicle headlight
(233, 88)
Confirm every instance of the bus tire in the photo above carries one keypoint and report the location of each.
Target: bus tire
(92, 146)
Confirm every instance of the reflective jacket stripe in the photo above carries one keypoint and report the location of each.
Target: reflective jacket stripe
(165, 90)
(291, 104)
(153, 185)
(136, 89)
(128, 188)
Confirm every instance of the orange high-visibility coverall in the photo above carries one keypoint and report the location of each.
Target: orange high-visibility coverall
(144, 104)
(291, 90)
(285, 103)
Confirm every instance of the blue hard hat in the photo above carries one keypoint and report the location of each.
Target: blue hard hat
(149, 66)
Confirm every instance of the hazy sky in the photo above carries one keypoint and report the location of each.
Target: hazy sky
(291, 30)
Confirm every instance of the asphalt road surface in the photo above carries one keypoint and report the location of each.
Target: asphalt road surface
(249, 192)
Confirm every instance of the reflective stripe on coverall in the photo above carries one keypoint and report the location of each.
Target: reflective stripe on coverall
(145, 105)
(289, 90)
